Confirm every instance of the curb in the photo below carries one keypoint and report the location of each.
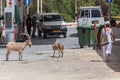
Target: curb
(72, 24)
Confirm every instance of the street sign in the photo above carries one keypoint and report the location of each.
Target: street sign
(108, 0)
(27, 2)
(8, 18)
(10, 3)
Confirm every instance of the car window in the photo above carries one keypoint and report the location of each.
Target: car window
(52, 18)
(85, 13)
(95, 13)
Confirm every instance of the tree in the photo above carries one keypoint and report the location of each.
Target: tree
(65, 7)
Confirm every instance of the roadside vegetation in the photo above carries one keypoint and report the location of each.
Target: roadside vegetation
(67, 7)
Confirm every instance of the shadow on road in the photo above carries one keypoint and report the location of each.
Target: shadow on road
(114, 63)
(116, 32)
(73, 35)
(41, 41)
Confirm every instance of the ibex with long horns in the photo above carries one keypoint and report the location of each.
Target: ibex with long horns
(18, 46)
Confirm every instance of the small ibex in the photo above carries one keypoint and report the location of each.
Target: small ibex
(18, 46)
(59, 47)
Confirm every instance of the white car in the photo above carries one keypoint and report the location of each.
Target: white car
(90, 14)
(52, 24)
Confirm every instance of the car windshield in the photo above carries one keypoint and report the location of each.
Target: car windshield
(95, 13)
(52, 18)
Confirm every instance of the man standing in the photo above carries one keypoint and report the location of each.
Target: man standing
(107, 49)
(28, 24)
(34, 25)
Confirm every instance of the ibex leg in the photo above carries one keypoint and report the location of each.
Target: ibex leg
(7, 55)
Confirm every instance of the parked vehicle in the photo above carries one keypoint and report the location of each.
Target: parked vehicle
(113, 22)
(90, 23)
(52, 24)
(90, 14)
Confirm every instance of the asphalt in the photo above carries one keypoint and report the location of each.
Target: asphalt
(87, 64)
(77, 64)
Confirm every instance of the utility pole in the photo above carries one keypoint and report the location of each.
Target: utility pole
(1, 12)
(1, 7)
(27, 9)
(41, 7)
(75, 10)
(38, 3)
(109, 12)
(20, 7)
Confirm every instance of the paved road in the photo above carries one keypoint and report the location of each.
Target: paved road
(40, 44)
(71, 42)
(77, 64)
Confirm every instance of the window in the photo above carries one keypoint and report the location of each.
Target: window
(95, 13)
(8, 20)
(85, 13)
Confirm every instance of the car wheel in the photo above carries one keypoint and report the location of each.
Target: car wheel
(44, 35)
(89, 45)
(81, 46)
(65, 35)
(39, 33)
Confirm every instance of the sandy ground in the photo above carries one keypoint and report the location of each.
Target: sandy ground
(77, 64)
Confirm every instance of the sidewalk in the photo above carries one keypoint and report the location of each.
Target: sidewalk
(73, 24)
(77, 64)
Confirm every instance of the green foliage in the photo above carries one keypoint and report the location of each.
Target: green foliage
(68, 18)
(67, 7)
(115, 10)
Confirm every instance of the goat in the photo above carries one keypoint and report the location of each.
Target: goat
(59, 47)
(18, 46)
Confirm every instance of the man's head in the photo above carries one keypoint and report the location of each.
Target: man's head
(107, 25)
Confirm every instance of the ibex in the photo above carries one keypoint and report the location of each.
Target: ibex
(18, 46)
(59, 47)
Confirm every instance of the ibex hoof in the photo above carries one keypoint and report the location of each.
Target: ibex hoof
(6, 59)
